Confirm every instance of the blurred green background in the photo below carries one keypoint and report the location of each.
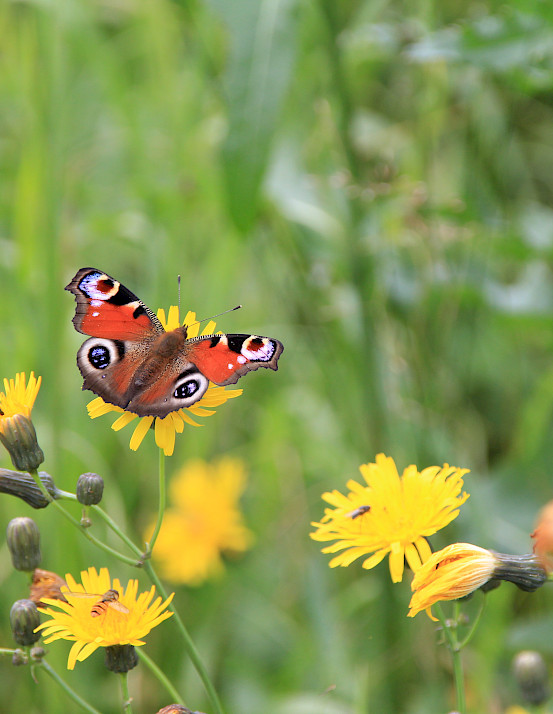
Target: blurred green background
(373, 181)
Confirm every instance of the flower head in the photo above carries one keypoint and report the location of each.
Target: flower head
(18, 396)
(167, 427)
(203, 522)
(453, 572)
(17, 432)
(390, 514)
(126, 624)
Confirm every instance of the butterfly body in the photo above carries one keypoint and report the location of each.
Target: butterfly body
(132, 362)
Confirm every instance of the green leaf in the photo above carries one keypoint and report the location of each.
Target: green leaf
(262, 49)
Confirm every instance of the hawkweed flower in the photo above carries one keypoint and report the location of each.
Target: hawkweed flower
(17, 432)
(459, 569)
(167, 427)
(90, 620)
(390, 514)
(203, 522)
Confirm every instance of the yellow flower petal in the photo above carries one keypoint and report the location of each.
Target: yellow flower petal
(140, 432)
(123, 421)
(19, 396)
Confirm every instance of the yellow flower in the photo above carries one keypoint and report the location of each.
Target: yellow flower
(167, 427)
(18, 397)
(74, 621)
(451, 573)
(17, 431)
(390, 514)
(203, 522)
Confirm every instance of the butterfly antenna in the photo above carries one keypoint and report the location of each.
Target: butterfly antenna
(204, 319)
(178, 290)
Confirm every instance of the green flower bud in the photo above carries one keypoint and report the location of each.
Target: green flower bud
(23, 538)
(19, 437)
(531, 675)
(24, 619)
(24, 486)
(37, 654)
(19, 658)
(90, 488)
(120, 658)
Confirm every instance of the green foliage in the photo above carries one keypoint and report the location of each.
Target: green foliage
(372, 181)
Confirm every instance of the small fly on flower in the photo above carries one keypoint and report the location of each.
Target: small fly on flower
(358, 512)
(109, 599)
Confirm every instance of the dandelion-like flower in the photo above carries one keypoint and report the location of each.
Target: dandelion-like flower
(167, 427)
(18, 396)
(390, 514)
(17, 432)
(459, 569)
(74, 621)
(449, 574)
(203, 522)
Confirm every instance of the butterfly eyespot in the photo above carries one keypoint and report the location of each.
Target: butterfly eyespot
(189, 387)
(99, 356)
(258, 349)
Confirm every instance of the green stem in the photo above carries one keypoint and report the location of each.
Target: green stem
(450, 634)
(70, 692)
(188, 643)
(75, 522)
(127, 701)
(115, 528)
(157, 672)
(162, 504)
(475, 624)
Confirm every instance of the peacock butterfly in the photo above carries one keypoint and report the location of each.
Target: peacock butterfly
(132, 362)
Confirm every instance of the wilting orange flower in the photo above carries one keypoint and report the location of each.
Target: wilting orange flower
(543, 537)
(449, 574)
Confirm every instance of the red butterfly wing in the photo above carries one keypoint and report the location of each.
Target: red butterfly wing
(105, 308)
(223, 359)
